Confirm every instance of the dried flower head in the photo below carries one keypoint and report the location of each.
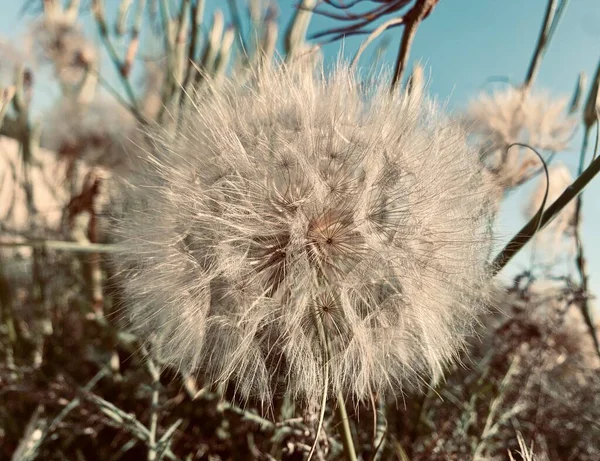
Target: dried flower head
(295, 221)
(514, 115)
(100, 132)
(60, 42)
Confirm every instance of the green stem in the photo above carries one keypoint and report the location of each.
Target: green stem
(112, 52)
(529, 229)
(64, 246)
(344, 429)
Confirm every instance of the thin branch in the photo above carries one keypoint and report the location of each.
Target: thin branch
(412, 20)
(580, 259)
(551, 20)
(264, 424)
(373, 35)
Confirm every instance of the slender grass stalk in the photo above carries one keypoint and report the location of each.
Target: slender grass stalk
(551, 20)
(61, 245)
(344, 429)
(590, 117)
(529, 229)
(295, 34)
(578, 93)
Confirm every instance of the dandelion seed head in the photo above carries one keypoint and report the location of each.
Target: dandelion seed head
(514, 115)
(296, 202)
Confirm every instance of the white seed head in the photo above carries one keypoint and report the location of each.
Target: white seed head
(506, 117)
(296, 210)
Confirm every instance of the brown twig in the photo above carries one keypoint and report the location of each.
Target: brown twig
(85, 202)
(360, 22)
(412, 19)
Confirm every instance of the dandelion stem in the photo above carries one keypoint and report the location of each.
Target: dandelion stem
(155, 374)
(326, 355)
(344, 429)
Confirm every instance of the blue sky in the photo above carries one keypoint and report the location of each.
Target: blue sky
(462, 44)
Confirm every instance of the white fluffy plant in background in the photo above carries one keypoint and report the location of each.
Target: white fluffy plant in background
(83, 124)
(298, 232)
(57, 39)
(517, 115)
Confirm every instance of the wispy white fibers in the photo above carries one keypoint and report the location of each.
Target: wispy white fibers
(514, 115)
(295, 201)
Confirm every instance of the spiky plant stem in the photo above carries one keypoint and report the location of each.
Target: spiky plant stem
(97, 9)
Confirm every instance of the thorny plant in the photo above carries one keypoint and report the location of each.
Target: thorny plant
(115, 403)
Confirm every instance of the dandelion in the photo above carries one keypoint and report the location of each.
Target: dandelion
(514, 115)
(296, 222)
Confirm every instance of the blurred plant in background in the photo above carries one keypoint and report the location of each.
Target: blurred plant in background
(77, 383)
